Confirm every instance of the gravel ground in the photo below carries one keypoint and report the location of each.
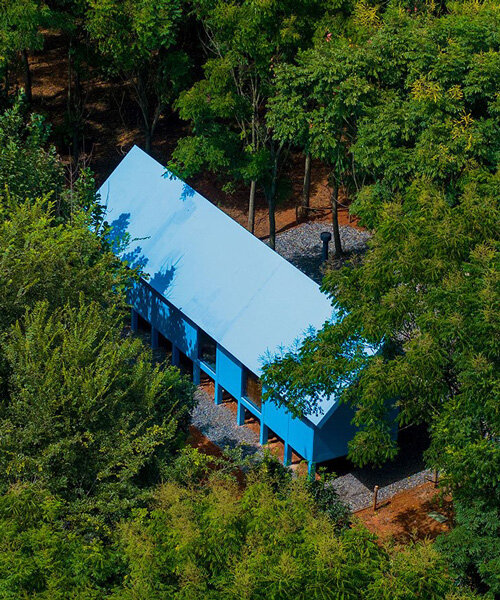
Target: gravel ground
(302, 246)
(355, 486)
(218, 423)
(358, 494)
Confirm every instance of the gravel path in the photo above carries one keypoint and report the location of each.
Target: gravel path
(218, 423)
(302, 245)
(358, 494)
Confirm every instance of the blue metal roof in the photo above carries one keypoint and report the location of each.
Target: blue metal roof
(240, 292)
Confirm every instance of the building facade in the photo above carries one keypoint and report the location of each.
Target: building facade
(220, 299)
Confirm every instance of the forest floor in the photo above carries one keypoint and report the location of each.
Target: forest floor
(112, 127)
(415, 514)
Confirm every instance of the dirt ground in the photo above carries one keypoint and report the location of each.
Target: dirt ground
(408, 516)
(112, 127)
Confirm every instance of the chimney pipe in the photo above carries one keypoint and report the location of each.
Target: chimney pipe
(325, 236)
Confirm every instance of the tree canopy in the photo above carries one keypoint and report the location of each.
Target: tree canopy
(101, 496)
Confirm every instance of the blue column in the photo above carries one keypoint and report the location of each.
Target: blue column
(287, 455)
(264, 433)
(196, 372)
(311, 468)
(155, 340)
(175, 356)
(240, 417)
(134, 320)
(218, 393)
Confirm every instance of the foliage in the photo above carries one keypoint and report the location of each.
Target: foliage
(42, 558)
(88, 415)
(435, 109)
(221, 543)
(246, 41)
(46, 260)
(316, 105)
(20, 23)
(140, 41)
(327, 500)
(29, 168)
(425, 108)
(211, 541)
(83, 411)
(473, 545)
(401, 102)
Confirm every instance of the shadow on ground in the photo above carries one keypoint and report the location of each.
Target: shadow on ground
(412, 442)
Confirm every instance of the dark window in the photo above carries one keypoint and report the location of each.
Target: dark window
(207, 348)
(253, 389)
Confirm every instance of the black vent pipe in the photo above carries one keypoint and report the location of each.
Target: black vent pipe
(325, 236)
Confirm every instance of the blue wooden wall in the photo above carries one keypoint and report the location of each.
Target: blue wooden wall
(299, 435)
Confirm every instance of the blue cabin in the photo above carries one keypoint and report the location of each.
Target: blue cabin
(221, 298)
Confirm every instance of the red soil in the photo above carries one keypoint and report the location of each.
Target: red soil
(405, 516)
(112, 126)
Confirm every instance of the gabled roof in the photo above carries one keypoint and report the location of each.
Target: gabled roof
(240, 292)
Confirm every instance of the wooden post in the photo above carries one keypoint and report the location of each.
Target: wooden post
(436, 478)
(375, 494)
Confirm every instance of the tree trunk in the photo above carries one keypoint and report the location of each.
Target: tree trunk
(272, 225)
(270, 194)
(6, 80)
(73, 107)
(251, 207)
(335, 221)
(27, 77)
(78, 105)
(307, 181)
(148, 138)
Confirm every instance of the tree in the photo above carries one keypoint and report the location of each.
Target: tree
(140, 42)
(88, 416)
(210, 540)
(316, 104)
(217, 542)
(426, 292)
(43, 259)
(245, 42)
(29, 167)
(41, 557)
(20, 23)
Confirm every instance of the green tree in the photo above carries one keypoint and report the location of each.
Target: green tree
(427, 291)
(29, 167)
(140, 42)
(44, 260)
(88, 416)
(316, 106)
(20, 23)
(245, 41)
(42, 558)
(217, 542)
